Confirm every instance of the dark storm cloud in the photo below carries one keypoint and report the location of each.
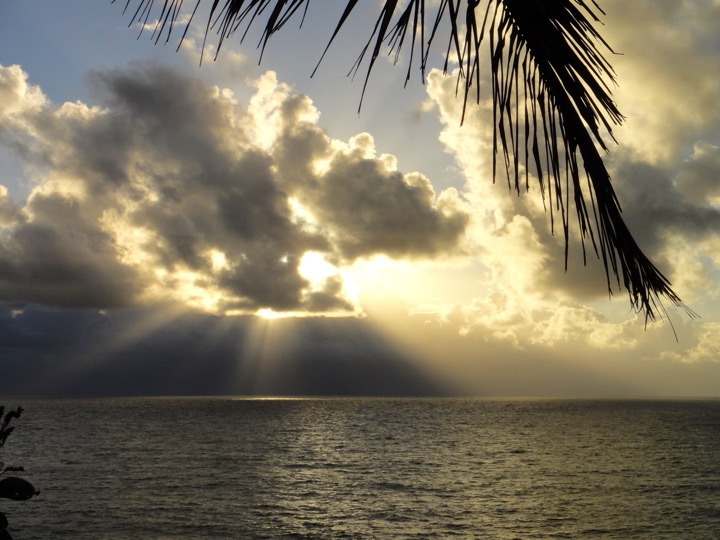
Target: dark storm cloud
(66, 352)
(168, 190)
(660, 204)
(180, 119)
(213, 191)
(699, 179)
(368, 207)
(374, 211)
(9, 212)
(663, 200)
(61, 259)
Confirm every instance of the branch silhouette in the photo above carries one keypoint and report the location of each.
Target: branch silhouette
(550, 88)
(11, 487)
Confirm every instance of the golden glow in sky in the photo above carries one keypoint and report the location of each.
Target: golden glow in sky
(230, 191)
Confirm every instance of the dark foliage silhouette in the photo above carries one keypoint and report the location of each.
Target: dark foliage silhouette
(550, 87)
(11, 487)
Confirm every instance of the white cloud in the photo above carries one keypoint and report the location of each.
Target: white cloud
(17, 97)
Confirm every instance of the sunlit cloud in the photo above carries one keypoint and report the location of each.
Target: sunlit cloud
(666, 72)
(171, 190)
(664, 170)
(705, 350)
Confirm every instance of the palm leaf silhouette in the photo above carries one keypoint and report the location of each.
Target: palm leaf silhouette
(552, 107)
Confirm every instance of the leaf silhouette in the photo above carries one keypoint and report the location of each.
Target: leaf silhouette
(16, 489)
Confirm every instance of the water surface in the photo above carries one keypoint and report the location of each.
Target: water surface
(367, 468)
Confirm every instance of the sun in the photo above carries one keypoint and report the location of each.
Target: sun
(315, 268)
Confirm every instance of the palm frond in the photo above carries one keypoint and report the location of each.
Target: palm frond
(552, 106)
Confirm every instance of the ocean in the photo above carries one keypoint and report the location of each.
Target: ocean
(185, 468)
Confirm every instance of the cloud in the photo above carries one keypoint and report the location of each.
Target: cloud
(373, 209)
(665, 172)
(698, 181)
(79, 352)
(171, 189)
(511, 234)
(18, 97)
(672, 211)
(669, 55)
(705, 350)
(58, 257)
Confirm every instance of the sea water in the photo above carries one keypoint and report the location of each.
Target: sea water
(188, 468)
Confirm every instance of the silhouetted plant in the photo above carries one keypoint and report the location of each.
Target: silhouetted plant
(11, 487)
(552, 106)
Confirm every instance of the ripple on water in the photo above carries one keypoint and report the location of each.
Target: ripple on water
(212, 468)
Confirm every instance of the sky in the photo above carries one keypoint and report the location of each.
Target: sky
(175, 227)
